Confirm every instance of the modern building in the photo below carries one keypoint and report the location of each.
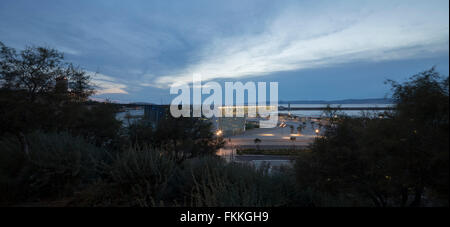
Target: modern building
(231, 126)
(228, 126)
(155, 113)
(130, 115)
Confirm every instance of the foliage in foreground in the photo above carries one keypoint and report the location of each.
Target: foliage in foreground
(52, 148)
(60, 167)
(39, 91)
(55, 166)
(187, 137)
(399, 160)
(147, 177)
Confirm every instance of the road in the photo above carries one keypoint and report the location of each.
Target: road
(271, 138)
(274, 138)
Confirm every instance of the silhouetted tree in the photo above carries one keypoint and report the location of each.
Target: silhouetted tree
(423, 114)
(33, 70)
(39, 91)
(293, 139)
(80, 84)
(393, 161)
(257, 141)
(188, 137)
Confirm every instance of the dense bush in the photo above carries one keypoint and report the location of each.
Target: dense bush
(214, 182)
(189, 137)
(141, 133)
(147, 177)
(400, 159)
(96, 123)
(55, 165)
(62, 167)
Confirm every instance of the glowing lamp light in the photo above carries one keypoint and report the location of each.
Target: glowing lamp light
(317, 131)
(267, 134)
(219, 132)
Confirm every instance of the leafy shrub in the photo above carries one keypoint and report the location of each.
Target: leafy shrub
(211, 181)
(148, 177)
(56, 165)
(60, 166)
(136, 177)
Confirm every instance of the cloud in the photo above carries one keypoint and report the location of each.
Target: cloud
(144, 46)
(298, 39)
(107, 85)
(67, 50)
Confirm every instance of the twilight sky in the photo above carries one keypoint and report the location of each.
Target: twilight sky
(315, 49)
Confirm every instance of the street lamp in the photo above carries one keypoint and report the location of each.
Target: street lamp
(218, 135)
(317, 132)
(219, 132)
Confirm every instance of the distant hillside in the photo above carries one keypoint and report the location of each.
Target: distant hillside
(344, 101)
(142, 103)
